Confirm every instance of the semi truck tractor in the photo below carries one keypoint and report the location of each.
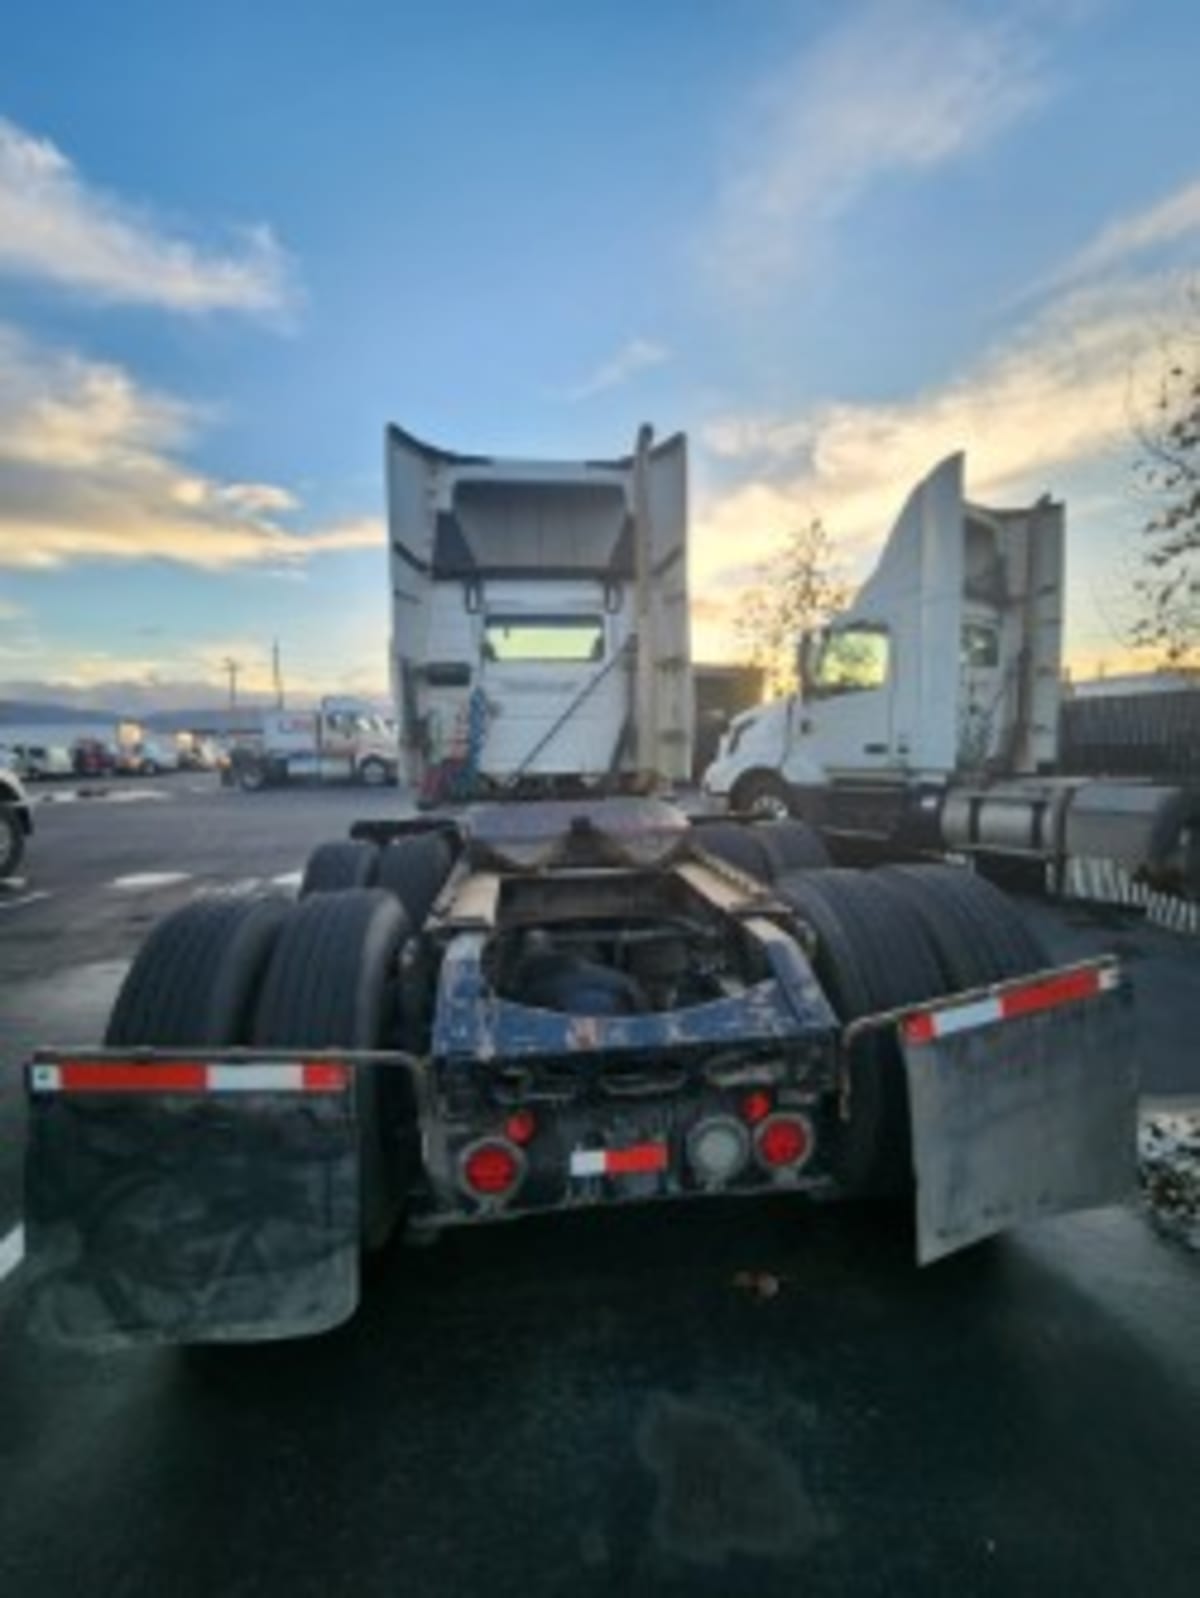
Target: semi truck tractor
(538, 645)
(928, 712)
(564, 995)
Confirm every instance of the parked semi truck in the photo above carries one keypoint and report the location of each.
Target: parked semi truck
(927, 717)
(342, 740)
(544, 1003)
(16, 820)
(537, 644)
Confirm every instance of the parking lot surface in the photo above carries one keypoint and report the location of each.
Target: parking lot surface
(722, 1398)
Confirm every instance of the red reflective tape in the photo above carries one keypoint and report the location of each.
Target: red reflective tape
(920, 1029)
(632, 1161)
(325, 1076)
(1046, 995)
(121, 1076)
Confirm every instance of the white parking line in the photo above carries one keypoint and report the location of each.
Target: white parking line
(26, 898)
(241, 888)
(102, 796)
(12, 1251)
(139, 880)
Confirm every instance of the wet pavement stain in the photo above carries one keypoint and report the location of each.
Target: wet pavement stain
(721, 1490)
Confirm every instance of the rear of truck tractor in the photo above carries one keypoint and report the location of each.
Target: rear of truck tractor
(548, 1007)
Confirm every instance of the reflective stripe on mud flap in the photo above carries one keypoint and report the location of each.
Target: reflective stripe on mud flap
(189, 1076)
(1046, 993)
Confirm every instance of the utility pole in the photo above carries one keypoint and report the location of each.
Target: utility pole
(277, 675)
(232, 667)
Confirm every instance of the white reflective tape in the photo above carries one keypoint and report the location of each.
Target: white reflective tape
(45, 1079)
(966, 1016)
(589, 1162)
(255, 1078)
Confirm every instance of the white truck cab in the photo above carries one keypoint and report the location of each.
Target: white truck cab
(946, 662)
(539, 618)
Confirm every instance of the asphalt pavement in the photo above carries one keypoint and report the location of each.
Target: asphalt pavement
(715, 1399)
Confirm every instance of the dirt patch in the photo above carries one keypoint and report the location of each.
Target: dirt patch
(1169, 1148)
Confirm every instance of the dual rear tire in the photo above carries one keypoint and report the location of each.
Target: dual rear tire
(413, 869)
(268, 973)
(766, 850)
(884, 940)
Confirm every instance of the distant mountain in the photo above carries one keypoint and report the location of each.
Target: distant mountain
(26, 711)
(134, 700)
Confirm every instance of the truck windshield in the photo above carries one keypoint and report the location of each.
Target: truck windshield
(543, 638)
(849, 661)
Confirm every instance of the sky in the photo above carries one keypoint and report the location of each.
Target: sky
(830, 240)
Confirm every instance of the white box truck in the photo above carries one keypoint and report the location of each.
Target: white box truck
(341, 740)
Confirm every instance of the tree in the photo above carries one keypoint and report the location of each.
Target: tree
(798, 588)
(1167, 588)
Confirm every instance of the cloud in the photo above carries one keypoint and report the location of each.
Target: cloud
(638, 355)
(1170, 221)
(896, 87)
(90, 470)
(57, 228)
(1058, 396)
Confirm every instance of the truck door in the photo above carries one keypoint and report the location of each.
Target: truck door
(846, 718)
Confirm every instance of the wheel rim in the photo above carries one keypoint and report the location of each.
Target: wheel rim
(771, 806)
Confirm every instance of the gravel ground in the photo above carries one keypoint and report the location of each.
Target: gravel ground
(1170, 1170)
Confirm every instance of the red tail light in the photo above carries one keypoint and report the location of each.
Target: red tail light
(520, 1127)
(784, 1142)
(755, 1106)
(491, 1169)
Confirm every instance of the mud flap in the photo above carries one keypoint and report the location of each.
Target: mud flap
(1024, 1118)
(190, 1219)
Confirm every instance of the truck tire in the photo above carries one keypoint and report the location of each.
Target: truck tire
(761, 793)
(872, 955)
(12, 841)
(333, 982)
(334, 867)
(415, 870)
(792, 846)
(979, 935)
(373, 773)
(735, 843)
(194, 980)
(251, 776)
